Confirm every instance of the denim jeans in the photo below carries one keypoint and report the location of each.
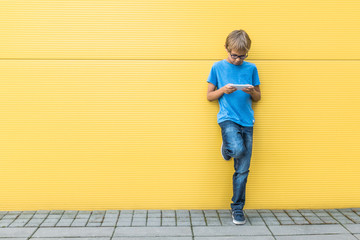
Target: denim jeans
(237, 143)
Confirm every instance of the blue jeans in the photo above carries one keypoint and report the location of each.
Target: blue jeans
(237, 143)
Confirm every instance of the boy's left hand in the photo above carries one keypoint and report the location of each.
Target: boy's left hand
(249, 90)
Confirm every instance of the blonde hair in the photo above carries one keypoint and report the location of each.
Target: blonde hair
(238, 40)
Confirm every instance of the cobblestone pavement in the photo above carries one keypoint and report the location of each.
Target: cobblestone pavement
(261, 224)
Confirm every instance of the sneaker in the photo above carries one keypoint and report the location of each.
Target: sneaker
(238, 217)
(226, 157)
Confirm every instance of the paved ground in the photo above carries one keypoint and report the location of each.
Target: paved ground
(327, 224)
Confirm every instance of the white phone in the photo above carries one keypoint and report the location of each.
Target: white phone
(240, 86)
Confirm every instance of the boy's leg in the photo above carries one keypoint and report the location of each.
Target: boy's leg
(237, 142)
(232, 139)
(241, 166)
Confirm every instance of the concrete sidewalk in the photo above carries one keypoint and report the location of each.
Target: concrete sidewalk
(329, 224)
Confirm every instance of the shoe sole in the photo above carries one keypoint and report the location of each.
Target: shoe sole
(238, 222)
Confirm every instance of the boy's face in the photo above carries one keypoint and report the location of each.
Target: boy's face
(236, 57)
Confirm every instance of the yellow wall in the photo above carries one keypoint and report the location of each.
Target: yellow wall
(103, 104)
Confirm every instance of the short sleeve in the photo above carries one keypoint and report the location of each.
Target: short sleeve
(255, 77)
(212, 77)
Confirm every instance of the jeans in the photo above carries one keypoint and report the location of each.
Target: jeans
(237, 143)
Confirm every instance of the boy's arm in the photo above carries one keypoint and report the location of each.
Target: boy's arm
(254, 92)
(213, 94)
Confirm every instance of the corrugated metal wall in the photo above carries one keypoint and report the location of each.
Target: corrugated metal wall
(103, 104)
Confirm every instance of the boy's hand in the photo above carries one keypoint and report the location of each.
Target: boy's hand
(249, 90)
(228, 89)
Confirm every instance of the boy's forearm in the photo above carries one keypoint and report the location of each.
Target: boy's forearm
(214, 95)
(256, 96)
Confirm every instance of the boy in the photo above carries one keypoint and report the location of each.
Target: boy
(236, 116)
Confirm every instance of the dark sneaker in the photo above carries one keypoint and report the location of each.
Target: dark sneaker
(226, 157)
(238, 217)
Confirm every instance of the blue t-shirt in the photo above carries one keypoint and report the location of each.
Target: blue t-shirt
(236, 106)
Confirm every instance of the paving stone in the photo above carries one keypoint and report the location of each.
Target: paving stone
(14, 213)
(64, 222)
(83, 214)
(231, 231)
(93, 224)
(74, 232)
(314, 220)
(139, 222)
(109, 223)
(353, 217)
(213, 222)
(256, 221)
(210, 213)
(16, 232)
(153, 222)
(328, 220)
(281, 215)
(168, 221)
(344, 220)
(226, 221)
(322, 214)
(227, 211)
(71, 238)
(98, 212)
(182, 213)
(55, 216)
(198, 222)
(126, 222)
(308, 214)
(196, 213)
(283, 218)
(126, 212)
(49, 222)
(318, 237)
(236, 238)
(19, 223)
(226, 215)
(14, 238)
(96, 219)
(287, 222)
(168, 213)
(35, 222)
(6, 222)
(42, 216)
(307, 229)
(293, 213)
(116, 212)
(79, 222)
(264, 211)
(70, 212)
(43, 211)
(28, 212)
(154, 213)
(300, 220)
(353, 228)
(252, 214)
(152, 232)
(183, 224)
(57, 212)
(10, 216)
(151, 238)
(267, 214)
(345, 210)
(278, 211)
(271, 221)
(24, 217)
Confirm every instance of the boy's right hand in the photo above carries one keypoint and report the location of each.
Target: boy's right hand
(228, 89)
